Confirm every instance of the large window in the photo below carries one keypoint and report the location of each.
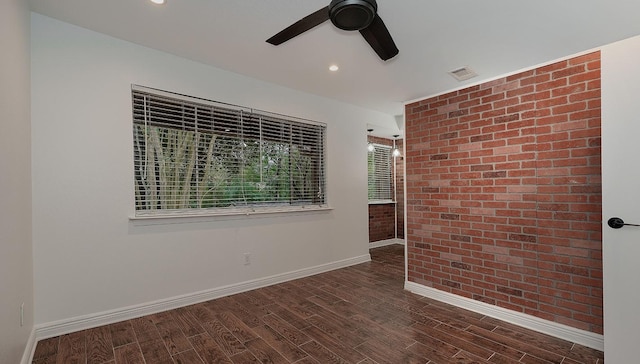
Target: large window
(194, 156)
(380, 174)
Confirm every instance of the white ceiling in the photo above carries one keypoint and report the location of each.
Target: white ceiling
(493, 37)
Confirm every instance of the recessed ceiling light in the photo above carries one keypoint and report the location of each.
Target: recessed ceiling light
(159, 2)
(333, 68)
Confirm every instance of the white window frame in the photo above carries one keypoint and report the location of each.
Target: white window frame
(263, 135)
(380, 194)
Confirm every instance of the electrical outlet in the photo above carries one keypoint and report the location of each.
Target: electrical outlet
(247, 258)
(22, 314)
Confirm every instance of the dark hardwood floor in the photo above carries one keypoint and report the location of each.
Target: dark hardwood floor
(359, 314)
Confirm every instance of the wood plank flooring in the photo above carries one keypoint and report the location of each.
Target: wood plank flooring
(359, 314)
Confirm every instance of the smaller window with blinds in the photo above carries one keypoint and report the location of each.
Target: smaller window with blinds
(200, 157)
(380, 174)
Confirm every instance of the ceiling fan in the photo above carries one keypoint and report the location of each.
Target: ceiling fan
(347, 15)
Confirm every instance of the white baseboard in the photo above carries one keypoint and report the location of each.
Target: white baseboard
(52, 329)
(380, 243)
(30, 348)
(582, 337)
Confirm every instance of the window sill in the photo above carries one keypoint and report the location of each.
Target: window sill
(208, 216)
(382, 202)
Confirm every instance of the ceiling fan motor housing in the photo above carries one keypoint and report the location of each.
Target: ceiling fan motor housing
(352, 14)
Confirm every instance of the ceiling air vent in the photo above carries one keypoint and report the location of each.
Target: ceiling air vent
(463, 73)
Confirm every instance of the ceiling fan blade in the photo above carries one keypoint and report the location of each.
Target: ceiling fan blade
(378, 37)
(301, 26)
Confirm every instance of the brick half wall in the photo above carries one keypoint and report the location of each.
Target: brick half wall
(504, 192)
(382, 219)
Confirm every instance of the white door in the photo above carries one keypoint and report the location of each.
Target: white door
(621, 198)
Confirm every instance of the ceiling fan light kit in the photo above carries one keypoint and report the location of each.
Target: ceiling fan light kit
(352, 14)
(348, 15)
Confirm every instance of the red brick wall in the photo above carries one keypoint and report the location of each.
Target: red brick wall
(382, 222)
(399, 165)
(504, 192)
(382, 217)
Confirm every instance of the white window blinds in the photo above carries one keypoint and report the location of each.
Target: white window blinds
(194, 154)
(380, 174)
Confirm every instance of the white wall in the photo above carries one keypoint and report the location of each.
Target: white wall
(88, 256)
(620, 193)
(16, 270)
